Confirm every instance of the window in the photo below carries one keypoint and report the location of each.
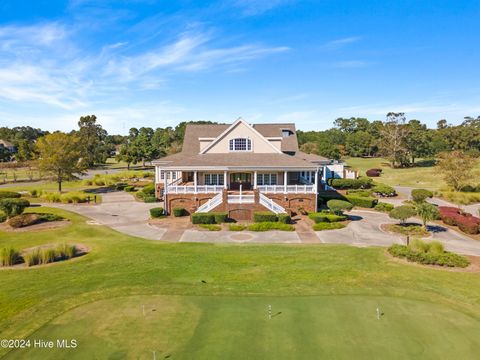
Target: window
(286, 133)
(213, 179)
(240, 144)
(266, 179)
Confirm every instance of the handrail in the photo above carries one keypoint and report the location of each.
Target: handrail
(241, 199)
(190, 189)
(211, 204)
(271, 205)
(291, 189)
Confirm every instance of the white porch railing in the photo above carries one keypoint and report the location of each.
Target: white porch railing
(211, 204)
(271, 205)
(241, 199)
(190, 189)
(291, 189)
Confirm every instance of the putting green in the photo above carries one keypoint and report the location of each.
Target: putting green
(326, 327)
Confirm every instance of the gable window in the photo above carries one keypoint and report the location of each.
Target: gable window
(240, 144)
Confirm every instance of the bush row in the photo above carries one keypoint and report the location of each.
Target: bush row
(72, 197)
(209, 218)
(356, 200)
(157, 212)
(360, 183)
(385, 207)
(384, 190)
(9, 195)
(325, 217)
(455, 217)
(268, 216)
(444, 258)
(265, 226)
(327, 226)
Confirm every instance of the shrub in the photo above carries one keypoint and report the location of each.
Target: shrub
(129, 188)
(236, 227)
(33, 257)
(177, 212)
(9, 257)
(360, 183)
(203, 218)
(402, 213)
(23, 220)
(468, 225)
(74, 197)
(149, 199)
(9, 195)
(65, 251)
(284, 218)
(320, 217)
(264, 216)
(385, 207)
(149, 189)
(455, 217)
(265, 226)
(157, 212)
(338, 206)
(220, 217)
(13, 206)
(331, 195)
(3, 217)
(414, 229)
(365, 202)
(211, 227)
(327, 226)
(460, 197)
(384, 190)
(48, 256)
(374, 172)
(47, 217)
(360, 192)
(35, 193)
(419, 195)
(120, 186)
(428, 254)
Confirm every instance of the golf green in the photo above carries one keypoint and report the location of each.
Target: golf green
(203, 327)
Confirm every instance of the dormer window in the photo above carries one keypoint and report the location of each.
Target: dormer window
(286, 133)
(240, 144)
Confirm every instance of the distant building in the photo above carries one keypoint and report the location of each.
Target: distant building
(7, 145)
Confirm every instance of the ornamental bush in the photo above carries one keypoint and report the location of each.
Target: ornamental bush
(149, 189)
(23, 220)
(13, 207)
(9, 195)
(338, 206)
(384, 190)
(374, 172)
(264, 216)
(211, 227)
(220, 217)
(321, 217)
(203, 218)
(157, 212)
(327, 226)
(360, 192)
(265, 226)
(365, 202)
(385, 207)
(236, 227)
(129, 188)
(284, 218)
(3, 217)
(419, 195)
(402, 213)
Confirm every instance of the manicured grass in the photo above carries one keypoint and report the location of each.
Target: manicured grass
(407, 229)
(327, 296)
(418, 177)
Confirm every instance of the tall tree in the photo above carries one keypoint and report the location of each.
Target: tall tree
(61, 156)
(93, 139)
(393, 136)
(456, 168)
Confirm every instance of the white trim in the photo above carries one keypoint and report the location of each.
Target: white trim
(230, 128)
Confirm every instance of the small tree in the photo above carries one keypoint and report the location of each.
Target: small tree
(13, 207)
(456, 167)
(61, 156)
(339, 206)
(427, 212)
(420, 195)
(402, 213)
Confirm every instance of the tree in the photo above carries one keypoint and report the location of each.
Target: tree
(93, 140)
(359, 143)
(61, 156)
(427, 212)
(456, 168)
(402, 213)
(393, 136)
(420, 195)
(144, 146)
(418, 141)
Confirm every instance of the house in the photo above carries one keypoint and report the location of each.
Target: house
(240, 168)
(7, 145)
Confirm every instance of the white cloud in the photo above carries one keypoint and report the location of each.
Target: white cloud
(339, 43)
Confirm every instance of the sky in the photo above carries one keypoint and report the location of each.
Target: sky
(137, 63)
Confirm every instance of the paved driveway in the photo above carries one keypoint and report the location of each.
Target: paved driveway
(120, 211)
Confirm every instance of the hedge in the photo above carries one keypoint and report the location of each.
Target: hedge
(428, 258)
(284, 218)
(455, 217)
(385, 207)
(384, 190)
(220, 217)
(149, 199)
(211, 227)
(265, 226)
(13, 207)
(338, 206)
(9, 195)
(365, 202)
(203, 218)
(360, 183)
(157, 212)
(149, 189)
(322, 217)
(264, 216)
(177, 212)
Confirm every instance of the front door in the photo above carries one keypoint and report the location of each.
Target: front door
(244, 179)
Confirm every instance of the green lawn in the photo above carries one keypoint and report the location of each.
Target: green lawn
(427, 177)
(326, 296)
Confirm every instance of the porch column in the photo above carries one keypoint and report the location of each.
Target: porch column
(255, 179)
(225, 186)
(165, 181)
(315, 184)
(195, 181)
(285, 180)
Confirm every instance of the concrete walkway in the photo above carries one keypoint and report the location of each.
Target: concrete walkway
(120, 211)
(266, 237)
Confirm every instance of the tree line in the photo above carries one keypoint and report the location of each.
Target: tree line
(399, 140)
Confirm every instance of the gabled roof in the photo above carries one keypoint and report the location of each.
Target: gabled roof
(289, 144)
(238, 122)
(6, 143)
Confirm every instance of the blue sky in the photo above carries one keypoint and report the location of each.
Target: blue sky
(156, 63)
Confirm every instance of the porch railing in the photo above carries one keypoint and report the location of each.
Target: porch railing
(271, 205)
(211, 204)
(280, 189)
(241, 199)
(190, 189)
